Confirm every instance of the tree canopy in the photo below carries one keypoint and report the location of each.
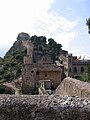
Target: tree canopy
(55, 48)
(52, 45)
(88, 24)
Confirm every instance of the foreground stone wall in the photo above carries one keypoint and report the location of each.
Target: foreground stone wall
(52, 107)
(73, 87)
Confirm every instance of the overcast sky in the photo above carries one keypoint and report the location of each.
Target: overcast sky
(62, 20)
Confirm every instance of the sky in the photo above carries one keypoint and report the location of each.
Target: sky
(62, 20)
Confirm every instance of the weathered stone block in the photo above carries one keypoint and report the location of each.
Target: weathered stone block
(73, 87)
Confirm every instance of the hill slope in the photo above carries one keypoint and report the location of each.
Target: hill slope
(10, 65)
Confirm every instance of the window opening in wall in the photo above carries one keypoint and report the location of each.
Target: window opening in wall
(45, 75)
(75, 69)
(37, 72)
(82, 69)
(69, 60)
(70, 70)
(32, 71)
(25, 71)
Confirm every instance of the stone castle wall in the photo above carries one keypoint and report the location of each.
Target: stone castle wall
(53, 76)
(32, 73)
(52, 107)
(73, 87)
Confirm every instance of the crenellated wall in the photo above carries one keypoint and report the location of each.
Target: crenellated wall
(73, 87)
(52, 107)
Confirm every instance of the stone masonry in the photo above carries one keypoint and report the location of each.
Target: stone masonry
(74, 66)
(73, 87)
(54, 107)
(43, 69)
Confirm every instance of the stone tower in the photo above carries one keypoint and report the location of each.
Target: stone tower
(28, 73)
(29, 58)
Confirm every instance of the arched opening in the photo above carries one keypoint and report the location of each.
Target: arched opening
(82, 69)
(45, 75)
(75, 70)
(37, 72)
(69, 60)
(70, 70)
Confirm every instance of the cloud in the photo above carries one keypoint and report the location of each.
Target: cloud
(53, 25)
(19, 15)
(34, 17)
(79, 52)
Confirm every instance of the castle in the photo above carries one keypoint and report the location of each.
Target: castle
(73, 66)
(39, 67)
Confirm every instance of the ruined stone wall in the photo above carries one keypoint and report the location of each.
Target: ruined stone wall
(28, 79)
(32, 73)
(54, 76)
(52, 107)
(73, 87)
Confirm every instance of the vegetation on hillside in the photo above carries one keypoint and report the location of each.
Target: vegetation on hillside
(55, 49)
(11, 64)
(52, 45)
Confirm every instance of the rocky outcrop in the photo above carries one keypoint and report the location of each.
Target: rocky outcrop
(52, 107)
(23, 36)
(72, 87)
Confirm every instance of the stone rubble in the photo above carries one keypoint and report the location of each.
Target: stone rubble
(35, 107)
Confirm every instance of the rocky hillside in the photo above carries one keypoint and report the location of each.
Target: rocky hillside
(10, 65)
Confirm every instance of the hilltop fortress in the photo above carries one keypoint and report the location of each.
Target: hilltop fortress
(39, 67)
(71, 98)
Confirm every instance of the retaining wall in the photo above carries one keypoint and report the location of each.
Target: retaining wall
(54, 107)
